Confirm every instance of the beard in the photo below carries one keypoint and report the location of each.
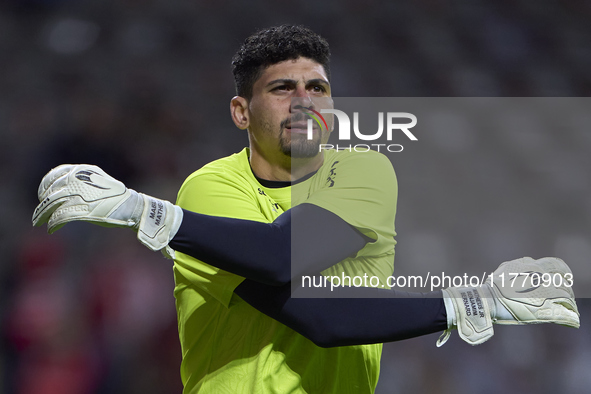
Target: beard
(298, 146)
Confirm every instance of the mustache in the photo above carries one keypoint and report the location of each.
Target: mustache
(296, 117)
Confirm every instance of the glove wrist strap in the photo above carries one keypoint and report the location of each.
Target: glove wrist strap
(471, 316)
(159, 223)
(451, 319)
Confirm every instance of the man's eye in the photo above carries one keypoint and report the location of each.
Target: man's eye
(319, 89)
(281, 87)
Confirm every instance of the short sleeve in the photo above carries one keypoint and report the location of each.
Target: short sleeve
(216, 195)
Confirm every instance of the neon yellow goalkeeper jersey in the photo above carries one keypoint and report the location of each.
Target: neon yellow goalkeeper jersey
(229, 347)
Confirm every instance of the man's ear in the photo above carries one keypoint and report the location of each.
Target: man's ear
(239, 112)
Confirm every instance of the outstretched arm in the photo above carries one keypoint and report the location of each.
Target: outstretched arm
(330, 322)
(270, 253)
(392, 315)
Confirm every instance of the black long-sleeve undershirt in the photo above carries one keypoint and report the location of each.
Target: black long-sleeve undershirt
(330, 322)
(306, 240)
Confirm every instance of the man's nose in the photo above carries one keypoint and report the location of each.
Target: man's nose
(301, 98)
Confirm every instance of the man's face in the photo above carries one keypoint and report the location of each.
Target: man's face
(282, 97)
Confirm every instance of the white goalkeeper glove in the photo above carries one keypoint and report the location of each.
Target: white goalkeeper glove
(522, 291)
(85, 192)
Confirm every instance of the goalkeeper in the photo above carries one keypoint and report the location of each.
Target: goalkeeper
(240, 239)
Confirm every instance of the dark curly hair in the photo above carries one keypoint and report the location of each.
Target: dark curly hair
(273, 45)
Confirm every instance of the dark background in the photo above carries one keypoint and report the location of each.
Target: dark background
(142, 89)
